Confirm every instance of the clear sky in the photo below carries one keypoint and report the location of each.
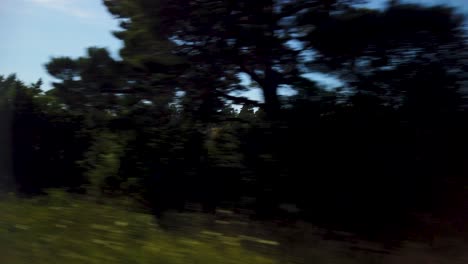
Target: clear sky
(462, 4)
(35, 30)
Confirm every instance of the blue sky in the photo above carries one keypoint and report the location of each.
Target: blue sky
(35, 30)
(461, 4)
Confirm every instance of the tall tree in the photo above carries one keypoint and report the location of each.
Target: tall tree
(385, 47)
(7, 87)
(90, 82)
(41, 144)
(217, 40)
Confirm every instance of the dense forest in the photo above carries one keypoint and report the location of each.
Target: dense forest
(168, 123)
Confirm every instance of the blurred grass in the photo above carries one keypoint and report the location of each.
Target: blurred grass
(57, 229)
(61, 228)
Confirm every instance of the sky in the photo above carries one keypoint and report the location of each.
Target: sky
(33, 31)
(462, 5)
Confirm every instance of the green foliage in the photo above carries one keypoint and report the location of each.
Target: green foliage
(39, 136)
(102, 161)
(6, 114)
(88, 83)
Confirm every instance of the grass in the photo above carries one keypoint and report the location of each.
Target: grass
(64, 230)
(59, 228)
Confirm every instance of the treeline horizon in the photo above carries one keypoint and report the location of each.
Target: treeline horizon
(160, 123)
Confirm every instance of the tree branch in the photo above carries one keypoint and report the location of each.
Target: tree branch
(241, 100)
(292, 10)
(252, 74)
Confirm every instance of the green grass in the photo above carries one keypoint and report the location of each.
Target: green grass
(58, 229)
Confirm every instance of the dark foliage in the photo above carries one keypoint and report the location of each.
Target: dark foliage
(160, 124)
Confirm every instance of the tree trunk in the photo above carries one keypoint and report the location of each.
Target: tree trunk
(270, 85)
(6, 169)
(270, 95)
